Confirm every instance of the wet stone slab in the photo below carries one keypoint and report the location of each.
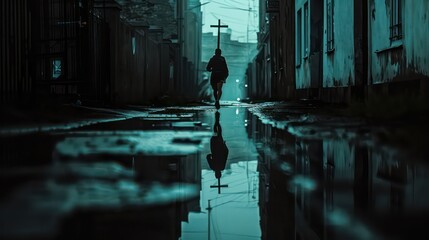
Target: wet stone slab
(51, 196)
(150, 124)
(100, 183)
(131, 143)
(153, 155)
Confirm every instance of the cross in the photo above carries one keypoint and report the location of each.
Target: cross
(218, 186)
(218, 26)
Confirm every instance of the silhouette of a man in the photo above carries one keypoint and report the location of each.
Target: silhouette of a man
(217, 65)
(217, 159)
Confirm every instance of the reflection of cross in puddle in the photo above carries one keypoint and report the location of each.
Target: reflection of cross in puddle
(219, 186)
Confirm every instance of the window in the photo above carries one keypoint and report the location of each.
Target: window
(396, 20)
(133, 43)
(171, 71)
(306, 50)
(330, 25)
(298, 37)
(56, 68)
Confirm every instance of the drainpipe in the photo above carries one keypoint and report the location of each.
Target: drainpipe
(369, 40)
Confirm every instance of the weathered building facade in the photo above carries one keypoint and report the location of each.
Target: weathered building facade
(260, 69)
(398, 44)
(338, 65)
(345, 50)
(370, 48)
(308, 50)
(189, 20)
(179, 28)
(276, 30)
(282, 27)
(105, 51)
(15, 37)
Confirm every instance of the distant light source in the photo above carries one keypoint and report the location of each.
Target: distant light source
(245, 124)
(237, 80)
(246, 85)
(237, 111)
(56, 68)
(238, 99)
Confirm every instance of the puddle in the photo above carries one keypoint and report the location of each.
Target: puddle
(333, 188)
(236, 178)
(229, 202)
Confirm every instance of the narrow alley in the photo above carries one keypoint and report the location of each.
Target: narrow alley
(214, 119)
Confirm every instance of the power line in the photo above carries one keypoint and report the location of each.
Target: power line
(241, 9)
(224, 4)
(235, 2)
(236, 22)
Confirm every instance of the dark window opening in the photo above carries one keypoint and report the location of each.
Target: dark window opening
(298, 38)
(396, 20)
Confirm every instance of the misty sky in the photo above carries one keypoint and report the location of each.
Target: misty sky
(233, 13)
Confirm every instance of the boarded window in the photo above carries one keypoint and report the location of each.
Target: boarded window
(396, 20)
(298, 37)
(330, 25)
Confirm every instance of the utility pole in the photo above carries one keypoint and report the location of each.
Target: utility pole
(209, 208)
(218, 26)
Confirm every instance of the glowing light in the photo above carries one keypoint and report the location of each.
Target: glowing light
(245, 120)
(245, 124)
(237, 111)
(238, 99)
(237, 80)
(305, 183)
(246, 85)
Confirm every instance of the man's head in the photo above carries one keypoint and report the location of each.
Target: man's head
(218, 51)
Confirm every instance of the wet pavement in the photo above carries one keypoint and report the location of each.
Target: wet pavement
(230, 211)
(197, 173)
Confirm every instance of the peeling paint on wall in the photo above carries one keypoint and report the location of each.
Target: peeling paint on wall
(406, 58)
(309, 73)
(338, 65)
(303, 76)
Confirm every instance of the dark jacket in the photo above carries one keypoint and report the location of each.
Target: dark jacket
(217, 65)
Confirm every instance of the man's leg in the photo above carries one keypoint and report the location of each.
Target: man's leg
(214, 87)
(218, 93)
(219, 89)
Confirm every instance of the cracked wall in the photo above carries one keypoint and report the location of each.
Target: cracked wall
(339, 64)
(403, 59)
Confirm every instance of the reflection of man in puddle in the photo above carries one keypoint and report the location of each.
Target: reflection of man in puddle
(217, 159)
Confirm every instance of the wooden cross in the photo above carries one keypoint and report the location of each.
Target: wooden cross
(218, 186)
(218, 26)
